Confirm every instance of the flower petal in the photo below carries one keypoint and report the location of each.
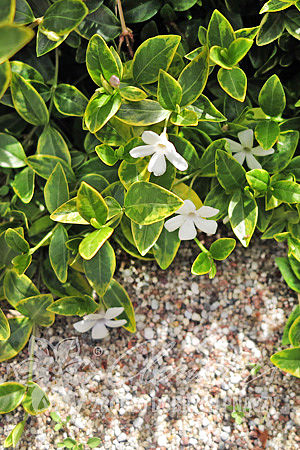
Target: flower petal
(174, 223)
(252, 163)
(207, 211)
(187, 231)
(97, 316)
(157, 164)
(259, 151)
(246, 138)
(234, 146)
(240, 157)
(142, 150)
(149, 137)
(177, 160)
(207, 226)
(187, 207)
(114, 312)
(99, 330)
(84, 325)
(115, 323)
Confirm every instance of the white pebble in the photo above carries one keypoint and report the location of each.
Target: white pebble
(122, 437)
(148, 333)
(195, 288)
(154, 304)
(162, 441)
(196, 317)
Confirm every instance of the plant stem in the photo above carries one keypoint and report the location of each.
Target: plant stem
(54, 85)
(201, 245)
(126, 33)
(187, 177)
(42, 241)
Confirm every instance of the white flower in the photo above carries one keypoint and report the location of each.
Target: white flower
(98, 322)
(188, 217)
(160, 148)
(245, 149)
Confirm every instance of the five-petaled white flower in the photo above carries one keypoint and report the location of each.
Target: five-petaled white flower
(99, 321)
(160, 148)
(245, 149)
(188, 217)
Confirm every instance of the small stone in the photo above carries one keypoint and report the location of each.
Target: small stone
(148, 333)
(214, 306)
(162, 441)
(194, 288)
(224, 436)
(248, 310)
(188, 314)
(154, 304)
(122, 437)
(196, 317)
(138, 422)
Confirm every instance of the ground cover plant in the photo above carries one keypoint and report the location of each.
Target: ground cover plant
(136, 125)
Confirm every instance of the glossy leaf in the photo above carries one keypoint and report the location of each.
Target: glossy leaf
(100, 109)
(90, 204)
(67, 213)
(145, 236)
(20, 329)
(258, 179)
(23, 184)
(286, 191)
(234, 82)
(222, 248)
(193, 78)
(12, 154)
(90, 245)
(4, 327)
(130, 173)
(202, 264)
(219, 31)
(169, 91)
(285, 149)
(267, 133)
(35, 308)
(272, 97)
(17, 287)
(147, 203)
(36, 400)
(116, 296)
(5, 77)
(69, 100)
(102, 22)
(230, 173)
(59, 254)
(15, 435)
(152, 55)
(12, 39)
(11, 395)
(24, 14)
(294, 333)
(44, 165)
(295, 314)
(143, 113)
(74, 306)
(288, 360)
(242, 211)
(63, 16)
(100, 61)
(100, 269)
(16, 241)
(56, 191)
(132, 93)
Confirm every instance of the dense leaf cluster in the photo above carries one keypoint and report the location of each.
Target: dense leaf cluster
(80, 81)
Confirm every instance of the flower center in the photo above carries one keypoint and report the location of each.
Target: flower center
(247, 149)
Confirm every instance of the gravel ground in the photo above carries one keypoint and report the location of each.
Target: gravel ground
(169, 385)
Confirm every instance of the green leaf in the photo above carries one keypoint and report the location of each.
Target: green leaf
(186, 150)
(90, 245)
(169, 91)
(294, 167)
(202, 264)
(94, 442)
(288, 360)
(67, 213)
(143, 113)
(90, 204)
(100, 109)
(219, 55)
(63, 16)
(230, 173)
(114, 132)
(11, 395)
(5, 77)
(248, 33)
(17, 287)
(165, 248)
(28, 102)
(102, 22)
(131, 173)
(116, 296)
(147, 203)
(106, 154)
(234, 82)
(136, 12)
(267, 133)
(21, 263)
(219, 31)
(7, 12)
(271, 28)
(243, 211)
(56, 191)
(286, 146)
(20, 329)
(36, 400)
(287, 273)
(44, 165)
(24, 14)
(145, 236)
(26, 71)
(222, 248)
(100, 269)
(294, 333)
(45, 45)
(59, 254)
(238, 49)
(74, 306)
(286, 191)
(12, 39)
(16, 241)
(35, 308)
(23, 184)
(272, 97)
(275, 5)
(292, 23)
(295, 314)
(4, 327)
(12, 154)
(16, 433)
(132, 93)
(206, 111)
(258, 179)
(69, 101)
(152, 55)
(193, 78)
(100, 61)
(185, 118)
